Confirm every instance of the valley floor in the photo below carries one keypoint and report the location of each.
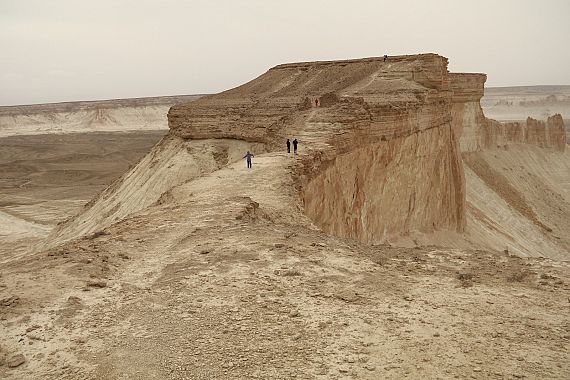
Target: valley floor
(44, 179)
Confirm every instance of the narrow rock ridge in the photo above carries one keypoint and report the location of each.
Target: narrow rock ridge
(380, 143)
(172, 162)
(384, 158)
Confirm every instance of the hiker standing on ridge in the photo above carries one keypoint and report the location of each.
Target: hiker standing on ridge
(295, 142)
(288, 146)
(385, 57)
(248, 157)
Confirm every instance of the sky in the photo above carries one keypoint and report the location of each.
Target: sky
(66, 50)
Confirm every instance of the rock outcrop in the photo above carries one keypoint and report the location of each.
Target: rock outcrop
(369, 124)
(367, 96)
(477, 132)
(381, 145)
(468, 119)
(361, 124)
(544, 134)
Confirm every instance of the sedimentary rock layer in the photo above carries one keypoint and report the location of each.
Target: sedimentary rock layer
(468, 120)
(390, 188)
(545, 134)
(384, 157)
(476, 132)
(383, 98)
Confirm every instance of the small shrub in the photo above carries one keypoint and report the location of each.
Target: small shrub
(519, 276)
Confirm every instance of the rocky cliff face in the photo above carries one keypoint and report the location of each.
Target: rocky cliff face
(380, 146)
(544, 134)
(468, 120)
(515, 195)
(389, 188)
(476, 132)
(383, 156)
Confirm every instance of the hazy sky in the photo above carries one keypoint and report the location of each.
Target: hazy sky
(61, 50)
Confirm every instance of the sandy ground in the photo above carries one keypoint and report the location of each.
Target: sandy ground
(241, 285)
(47, 178)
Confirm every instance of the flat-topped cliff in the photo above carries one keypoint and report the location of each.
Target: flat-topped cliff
(363, 125)
(376, 124)
(381, 145)
(369, 93)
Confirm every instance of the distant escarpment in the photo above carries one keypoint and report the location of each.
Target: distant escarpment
(545, 134)
(89, 116)
(486, 133)
(477, 132)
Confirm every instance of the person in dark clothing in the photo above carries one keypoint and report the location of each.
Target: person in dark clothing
(295, 142)
(385, 57)
(288, 146)
(248, 157)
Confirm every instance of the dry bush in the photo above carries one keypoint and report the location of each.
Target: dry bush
(466, 279)
(519, 276)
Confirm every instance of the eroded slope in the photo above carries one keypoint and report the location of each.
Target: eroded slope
(173, 161)
(230, 280)
(519, 200)
(400, 109)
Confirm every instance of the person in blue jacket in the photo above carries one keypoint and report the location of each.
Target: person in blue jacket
(248, 157)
